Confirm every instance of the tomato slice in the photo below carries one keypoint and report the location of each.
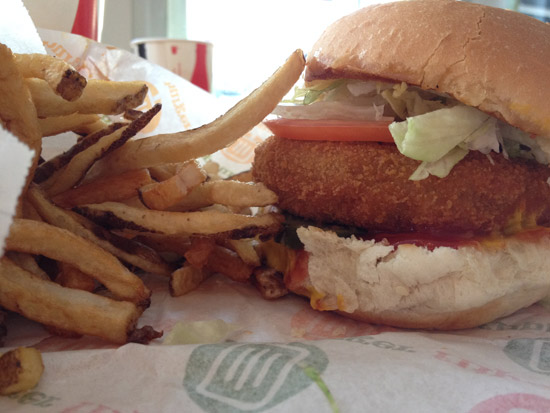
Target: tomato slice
(330, 130)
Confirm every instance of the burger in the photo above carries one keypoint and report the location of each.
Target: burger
(412, 164)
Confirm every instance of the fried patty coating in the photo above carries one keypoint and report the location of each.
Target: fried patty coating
(365, 184)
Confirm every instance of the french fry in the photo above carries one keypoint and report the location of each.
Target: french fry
(212, 170)
(3, 328)
(47, 169)
(200, 250)
(17, 112)
(99, 97)
(40, 238)
(186, 279)
(90, 128)
(119, 216)
(166, 243)
(245, 250)
(71, 277)
(77, 167)
(116, 188)
(269, 283)
(127, 250)
(194, 143)
(224, 261)
(66, 308)
(163, 195)
(20, 370)
(164, 171)
(28, 210)
(231, 193)
(28, 263)
(132, 114)
(245, 176)
(134, 202)
(59, 124)
(62, 78)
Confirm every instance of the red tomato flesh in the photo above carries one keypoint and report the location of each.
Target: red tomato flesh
(330, 130)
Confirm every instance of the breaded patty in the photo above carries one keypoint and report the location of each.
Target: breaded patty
(367, 185)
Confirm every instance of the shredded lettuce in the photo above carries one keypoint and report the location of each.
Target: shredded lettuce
(406, 101)
(430, 136)
(435, 129)
(441, 167)
(331, 110)
(200, 332)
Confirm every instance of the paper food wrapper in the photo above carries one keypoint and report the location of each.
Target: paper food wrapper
(18, 32)
(278, 356)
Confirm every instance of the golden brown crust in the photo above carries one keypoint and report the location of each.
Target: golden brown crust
(489, 58)
(366, 185)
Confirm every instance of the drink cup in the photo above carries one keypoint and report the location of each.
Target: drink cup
(189, 59)
(78, 17)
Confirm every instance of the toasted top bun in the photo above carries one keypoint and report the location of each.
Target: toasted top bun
(492, 59)
(413, 287)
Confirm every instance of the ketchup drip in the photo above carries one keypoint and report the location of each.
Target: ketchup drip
(427, 240)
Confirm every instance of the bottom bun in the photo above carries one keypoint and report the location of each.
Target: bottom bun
(414, 287)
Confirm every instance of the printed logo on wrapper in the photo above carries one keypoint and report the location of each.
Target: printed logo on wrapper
(242, 150)
(514, 402)
(150, 100)
(251, 377)
(532, 354)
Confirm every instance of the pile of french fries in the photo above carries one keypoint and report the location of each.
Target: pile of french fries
(91, 220)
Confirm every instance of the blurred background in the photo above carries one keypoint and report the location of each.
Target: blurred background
(250, 38)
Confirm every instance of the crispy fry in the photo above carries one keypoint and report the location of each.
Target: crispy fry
(212, 170)
(132, 114)
(186, 279)
(17, 112)
(164, 171)
(116, 215)
(228, 263)
(3, 328)
(231, 193)
(245, 176)
(99, 97)
(20, 370)
(58, 124)
(89, 128)
(269, 283)
(28, 210)
(116, 188)
(200, 250)
(129, 251)
(62, 78)
(77, 167)
(75, 310)
(71, 277)
(163, 195)
(47, 169)
(134, 202)
(194, 143)
(45, 239)
(28, 263)
(245, 250)
(166, 243)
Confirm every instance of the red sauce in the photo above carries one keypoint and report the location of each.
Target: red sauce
(427, 240)
(452, 240)
(298, 274)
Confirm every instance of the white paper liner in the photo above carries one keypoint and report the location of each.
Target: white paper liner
(285, 357)
(15, 160)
